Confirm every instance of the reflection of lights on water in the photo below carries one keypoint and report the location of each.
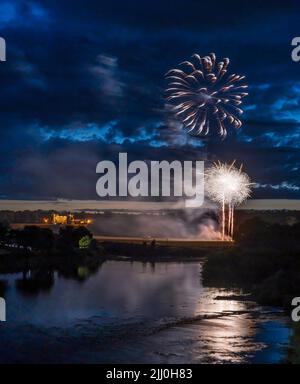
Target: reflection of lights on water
(230, 338)
(227, 333)
(209, 304)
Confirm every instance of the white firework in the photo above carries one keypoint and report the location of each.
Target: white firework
(227, 185)
(204, 97)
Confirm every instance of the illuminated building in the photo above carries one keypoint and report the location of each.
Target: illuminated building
(69, 219)
(59, 219)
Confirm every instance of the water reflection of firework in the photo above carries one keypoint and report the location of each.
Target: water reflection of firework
(228, 186)
(204, 97)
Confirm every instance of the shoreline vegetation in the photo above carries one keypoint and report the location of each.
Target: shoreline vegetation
(264, 262)
(36, 248)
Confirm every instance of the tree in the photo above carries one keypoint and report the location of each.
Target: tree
(85, 242)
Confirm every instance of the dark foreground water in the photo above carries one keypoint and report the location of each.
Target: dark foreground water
(134, 313)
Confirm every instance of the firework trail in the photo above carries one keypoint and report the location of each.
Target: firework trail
(204, 97)
(227, 185)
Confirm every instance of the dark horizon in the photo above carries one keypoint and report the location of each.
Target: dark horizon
(86, 205)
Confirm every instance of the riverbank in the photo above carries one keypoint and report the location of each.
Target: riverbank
(34, 247)
(264, 260)
(14, 262)
(153, 252)
(271, 276)
(165, 241)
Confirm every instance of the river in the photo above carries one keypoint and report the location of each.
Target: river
(133, 312)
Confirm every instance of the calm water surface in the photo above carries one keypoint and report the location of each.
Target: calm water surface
(133, 312)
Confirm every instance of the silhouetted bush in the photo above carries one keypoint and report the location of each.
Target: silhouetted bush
(257, 233)
(266, 262)
(33, 237)
(69, 237)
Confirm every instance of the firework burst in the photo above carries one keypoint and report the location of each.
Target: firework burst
(229, 186)
(204, 97)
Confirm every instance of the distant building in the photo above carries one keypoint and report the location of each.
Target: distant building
(59, 219)
(69, 219)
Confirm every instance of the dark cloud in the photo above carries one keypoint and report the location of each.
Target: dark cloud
(84, 80)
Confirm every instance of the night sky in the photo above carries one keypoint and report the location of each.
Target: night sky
(84, 80)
